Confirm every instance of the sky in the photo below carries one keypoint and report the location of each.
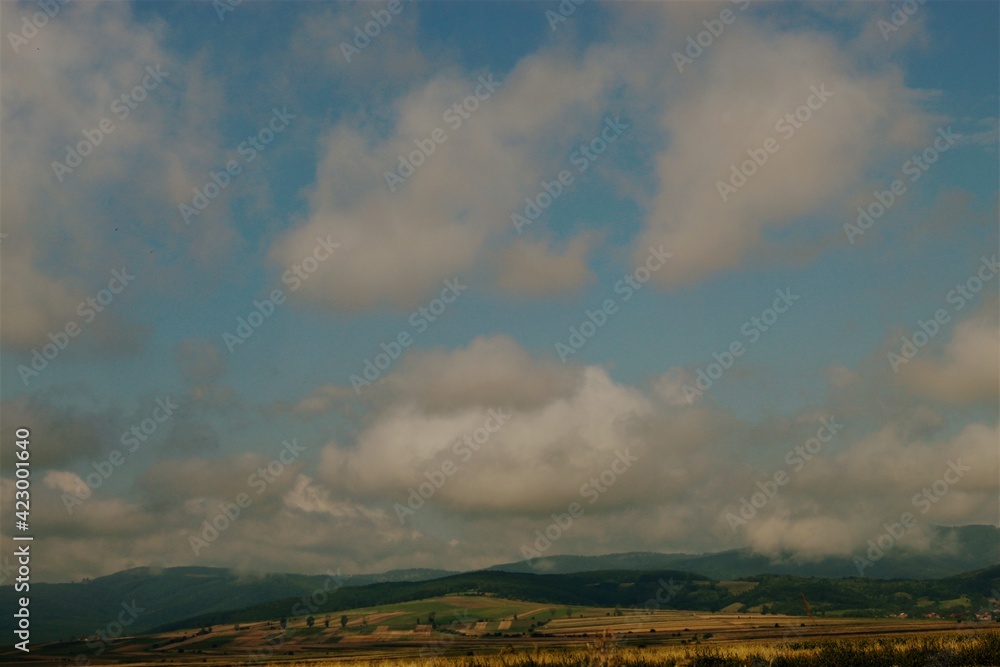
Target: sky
(296, 286)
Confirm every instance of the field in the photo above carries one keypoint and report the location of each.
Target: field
(484, 631)
(953, 650)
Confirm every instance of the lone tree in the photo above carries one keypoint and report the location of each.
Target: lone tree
(326, 621)
(310, 621)
(284, 622)
(343, 621)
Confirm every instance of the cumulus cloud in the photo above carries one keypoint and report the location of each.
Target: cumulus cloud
(70, 432)
(563, 426)
(56, 89)
(407, 240)
(533, 460)
(966, 370)
(744, 91)
(839, 499)
(490, 372)
(669, 387)
(693, 463)
(106, 533)
(407, 237)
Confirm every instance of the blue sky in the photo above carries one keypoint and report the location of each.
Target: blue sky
(323, 176)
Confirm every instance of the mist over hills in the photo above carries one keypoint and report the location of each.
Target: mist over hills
(952, 550)
(171, 597)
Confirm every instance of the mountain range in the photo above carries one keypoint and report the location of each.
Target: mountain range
(192, 596)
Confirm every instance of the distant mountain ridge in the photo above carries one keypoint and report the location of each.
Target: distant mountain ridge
(169, 595)
(69, 610)
(952, 550)
(655, 589)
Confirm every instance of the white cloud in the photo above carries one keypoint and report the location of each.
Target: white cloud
(537, 459)
(743, 88)
(490, 372)
(399, 245)
(57, 88)
(967, 370)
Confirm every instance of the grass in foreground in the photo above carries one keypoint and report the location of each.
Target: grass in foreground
(981, 649)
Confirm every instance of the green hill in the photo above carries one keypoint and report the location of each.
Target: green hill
(64, 611)
(660, 589)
